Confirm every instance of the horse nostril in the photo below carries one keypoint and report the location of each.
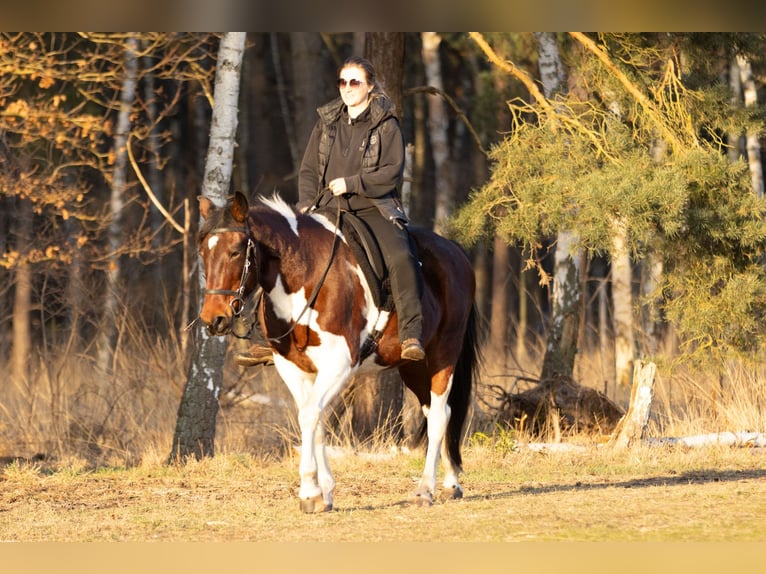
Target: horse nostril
(218, 325)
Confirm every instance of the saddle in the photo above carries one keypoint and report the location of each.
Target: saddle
(367, 253)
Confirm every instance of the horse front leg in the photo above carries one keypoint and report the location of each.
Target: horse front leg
(301, 385)
(317, 483)
(312, 395)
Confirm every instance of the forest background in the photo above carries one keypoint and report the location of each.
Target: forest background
(638, 153)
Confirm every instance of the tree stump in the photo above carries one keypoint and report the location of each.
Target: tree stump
(632, 426)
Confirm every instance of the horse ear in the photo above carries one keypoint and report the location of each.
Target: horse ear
(206, 206)
(239, 207)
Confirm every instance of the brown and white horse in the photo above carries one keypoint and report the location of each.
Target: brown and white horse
(318, 314)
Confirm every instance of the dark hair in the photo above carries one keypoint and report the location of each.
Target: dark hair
(369, 72)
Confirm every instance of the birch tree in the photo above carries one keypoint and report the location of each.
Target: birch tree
(753, 144)
(197, 413)
(116, 204)
(593, 169)
(622, 305)
(566, 294)
(438, 124)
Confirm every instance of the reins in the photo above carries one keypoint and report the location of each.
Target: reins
(315, 292)
(237, 304)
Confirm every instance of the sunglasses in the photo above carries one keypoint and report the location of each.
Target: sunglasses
(354, 83)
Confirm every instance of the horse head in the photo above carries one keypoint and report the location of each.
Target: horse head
(228, 252)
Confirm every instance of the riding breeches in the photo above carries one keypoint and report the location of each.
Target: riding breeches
(403, 269)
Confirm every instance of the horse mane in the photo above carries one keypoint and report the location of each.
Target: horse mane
(276, 203)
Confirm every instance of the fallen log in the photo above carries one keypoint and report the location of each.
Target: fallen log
(738, 439)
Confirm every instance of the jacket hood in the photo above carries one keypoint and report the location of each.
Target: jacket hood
(381, 107)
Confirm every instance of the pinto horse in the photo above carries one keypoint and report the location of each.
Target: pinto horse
(319, 315)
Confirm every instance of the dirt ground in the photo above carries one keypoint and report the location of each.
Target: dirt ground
(644, 494)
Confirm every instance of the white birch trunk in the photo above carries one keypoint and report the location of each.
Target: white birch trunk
(116, 204)
(549, 63)
(566, 292)
(622, 302)
(195, 427)
(438, 122)
(753, 143)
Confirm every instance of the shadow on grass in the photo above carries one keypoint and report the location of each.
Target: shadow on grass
(681, 479)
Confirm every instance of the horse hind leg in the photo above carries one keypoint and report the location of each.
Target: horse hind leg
(451, 489)
(437, 415)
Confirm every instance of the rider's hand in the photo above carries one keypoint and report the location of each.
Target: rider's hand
(337, 186)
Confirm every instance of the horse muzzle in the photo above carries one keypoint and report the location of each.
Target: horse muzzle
(218, 325)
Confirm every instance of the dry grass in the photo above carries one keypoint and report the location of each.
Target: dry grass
(646, 494)
(106, 438)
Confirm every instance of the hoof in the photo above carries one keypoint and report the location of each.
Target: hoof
(422, 499)
(315, 505)
(454, 493)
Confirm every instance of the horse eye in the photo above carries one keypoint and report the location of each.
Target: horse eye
(233, 255)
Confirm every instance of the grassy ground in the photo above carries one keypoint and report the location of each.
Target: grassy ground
(644, 494)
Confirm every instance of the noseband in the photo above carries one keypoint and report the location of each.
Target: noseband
(237, 304)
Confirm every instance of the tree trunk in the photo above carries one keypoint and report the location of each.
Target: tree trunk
(385, 50)
(116, 203)
(563, 329)
(651, 321)
(197, 413)
(734, 142)
(438, 124)
(498, 320)
(632, 427)
(566, 308)
(527, 288)
(22, 295)
(753, 143)
(284, 108)
(622, 301)
(308, 73)
(155, 181)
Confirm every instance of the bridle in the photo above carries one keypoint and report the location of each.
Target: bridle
(237, 304)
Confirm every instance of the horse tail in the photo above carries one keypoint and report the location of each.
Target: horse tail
(459, 399)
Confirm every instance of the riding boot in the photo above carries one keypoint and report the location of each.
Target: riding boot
(406, 288)
(412, 350)
(405, 278)
(255, 355)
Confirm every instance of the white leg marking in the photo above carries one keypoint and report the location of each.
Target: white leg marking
(451, 471)
(438, 415)
(312, 394)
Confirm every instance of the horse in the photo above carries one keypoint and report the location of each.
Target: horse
(322, 322)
